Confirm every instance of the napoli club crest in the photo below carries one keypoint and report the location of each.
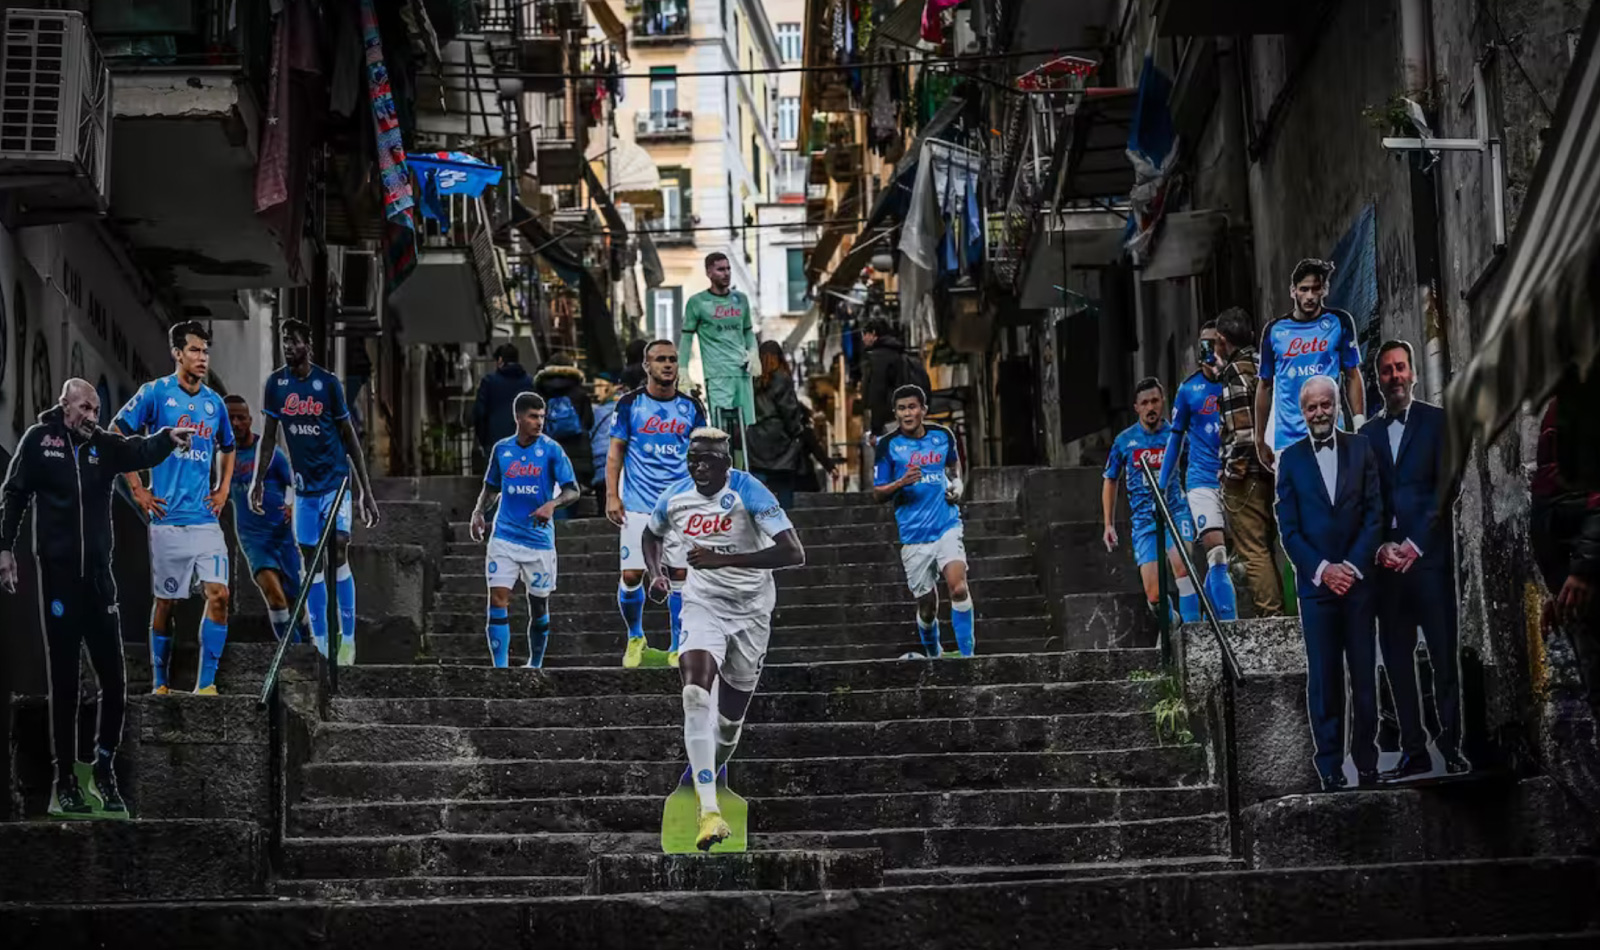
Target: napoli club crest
(493, 566)
(624, 550)
(727, 502)
(1326, 324)
(171, 585)
(538, 453)
(57, 608)
(209, 407)
(317, 385)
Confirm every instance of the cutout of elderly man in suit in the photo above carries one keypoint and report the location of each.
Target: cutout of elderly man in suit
(1330, 517)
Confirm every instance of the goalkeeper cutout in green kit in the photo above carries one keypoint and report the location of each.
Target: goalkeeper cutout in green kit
(721, 319)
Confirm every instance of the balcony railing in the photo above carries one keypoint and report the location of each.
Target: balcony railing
(665, 25)
(185, 34)
(672, 124)
(666, 234)
(528, 18)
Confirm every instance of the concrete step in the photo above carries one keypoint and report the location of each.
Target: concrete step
(467, 557)
(1473, 903)
(663, 706)
(1000, 873)
(642, 813)
(1148, 767)
(757, 870)
(91, 861)
(471, 581)
(875, 588)
(598, 612)
(472, 649)
(559, 853)
(806, 520)
(429, 888)
(1026, 670)
(368, 742)
(881, 533)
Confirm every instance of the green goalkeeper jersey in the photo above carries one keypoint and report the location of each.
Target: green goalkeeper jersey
(725, 328)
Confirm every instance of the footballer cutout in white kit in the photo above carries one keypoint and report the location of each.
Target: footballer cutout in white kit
(1206, 510)
(727, 612)
(925, 563)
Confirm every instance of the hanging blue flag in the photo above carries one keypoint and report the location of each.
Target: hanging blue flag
(1151, 135)
(455, 173)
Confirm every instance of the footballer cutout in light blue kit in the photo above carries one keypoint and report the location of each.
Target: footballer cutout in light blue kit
(929, 525)
(186, 543)
(657, 434)
(1197, 417)
(1293, 351)
(527, 477)
(1131, 446)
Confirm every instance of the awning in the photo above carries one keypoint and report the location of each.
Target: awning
(861, 252)
(1091, 160)
(1092, 240)
(1184, 245)
(610, 25)
(634, 177)
(1544, 321)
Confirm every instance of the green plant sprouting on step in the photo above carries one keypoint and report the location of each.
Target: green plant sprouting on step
(1171, 709)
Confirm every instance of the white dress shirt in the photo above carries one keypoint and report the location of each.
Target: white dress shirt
(1397, 432)
(1327, 456)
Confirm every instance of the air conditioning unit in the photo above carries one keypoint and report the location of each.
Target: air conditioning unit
(360, 282)
(55, 117)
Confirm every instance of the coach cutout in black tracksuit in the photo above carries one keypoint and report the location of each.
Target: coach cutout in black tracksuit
(69, 480)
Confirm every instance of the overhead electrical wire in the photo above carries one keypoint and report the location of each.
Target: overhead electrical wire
(775, 70)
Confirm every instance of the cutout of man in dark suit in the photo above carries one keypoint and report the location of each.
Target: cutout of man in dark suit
(1330, 510)
(1416, 565)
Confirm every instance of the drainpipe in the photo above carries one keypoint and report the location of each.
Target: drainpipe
(1417, 71)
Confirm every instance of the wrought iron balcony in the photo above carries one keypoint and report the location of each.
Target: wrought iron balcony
(661, 25)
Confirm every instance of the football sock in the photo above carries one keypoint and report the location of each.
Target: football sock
(499, 633)
(727, 739)
(631, 600)
(317, 608)
(961, 618)
(538, 629)
(675, 609)
(928, 633)
(346, 591)
(1188, 600)
(280, 622)
(1219, 584)
(213, 636)
(699, 740)
(160, 653)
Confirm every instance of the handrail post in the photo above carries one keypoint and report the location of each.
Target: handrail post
(269, 685)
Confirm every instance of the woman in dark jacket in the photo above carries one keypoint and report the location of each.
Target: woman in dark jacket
(779, 438)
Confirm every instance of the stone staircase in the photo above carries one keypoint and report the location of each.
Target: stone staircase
(448, 778)
(1021, 798)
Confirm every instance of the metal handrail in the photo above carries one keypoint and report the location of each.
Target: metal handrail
(1230, 661)
(270, 684)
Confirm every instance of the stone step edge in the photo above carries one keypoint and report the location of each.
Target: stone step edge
(635, 763)
(336, 840)
(341, 725)
(323, 805)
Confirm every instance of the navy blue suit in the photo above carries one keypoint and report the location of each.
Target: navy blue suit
(1424, 596)
(1347, 527)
